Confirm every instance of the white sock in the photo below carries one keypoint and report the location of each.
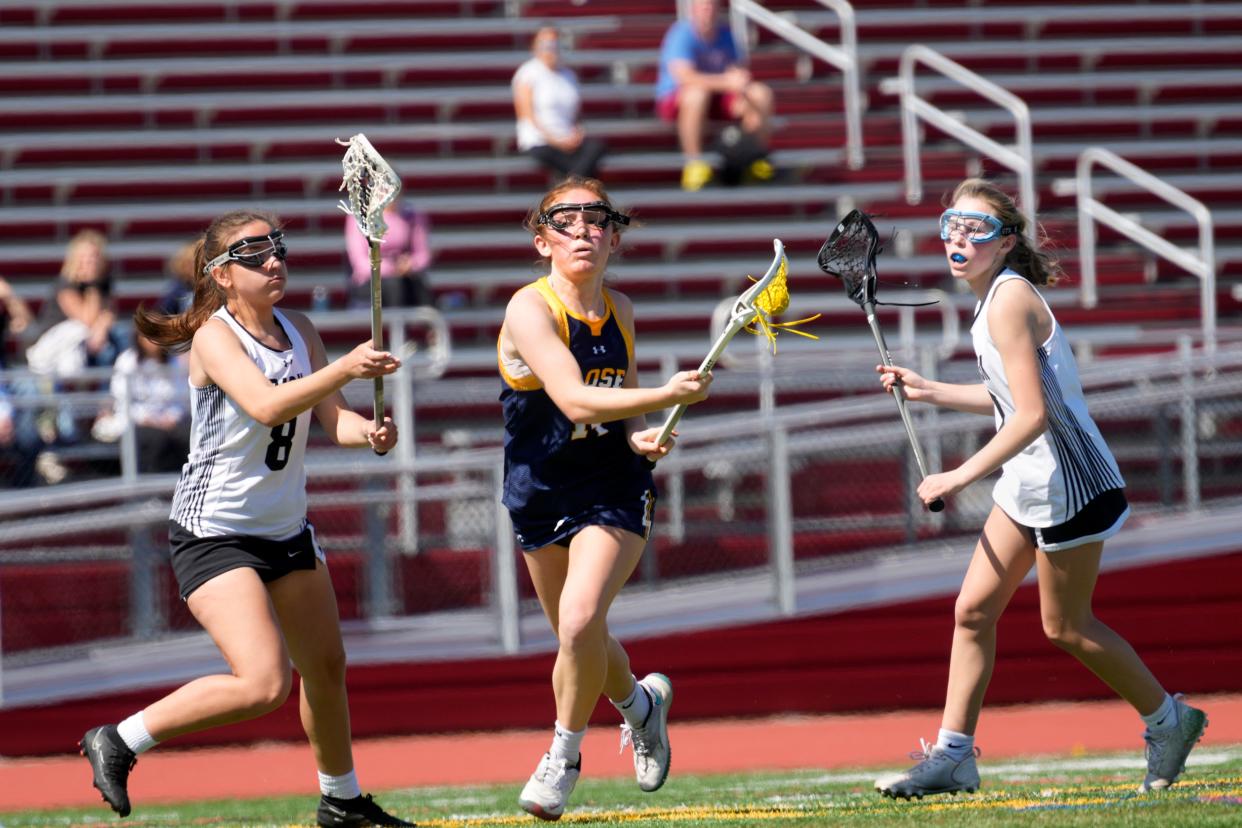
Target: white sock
(567, 744)
(635, 707)
(134, 732)
(957, 745)
(344, 786)
(1164, 716)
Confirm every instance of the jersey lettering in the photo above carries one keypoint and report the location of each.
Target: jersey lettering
(281, 447)
(604, 377)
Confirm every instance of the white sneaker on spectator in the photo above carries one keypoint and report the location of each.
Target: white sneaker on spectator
(549, 787)
(936, 773)
(652, 753)
(1168, 747)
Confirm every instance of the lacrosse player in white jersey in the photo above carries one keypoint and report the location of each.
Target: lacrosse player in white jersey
(246, 560)
(1059, 497)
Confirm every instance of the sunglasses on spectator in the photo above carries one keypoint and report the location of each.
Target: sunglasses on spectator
(976, 228)
(593, 214)
(252, 251)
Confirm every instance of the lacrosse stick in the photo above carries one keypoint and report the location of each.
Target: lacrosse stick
(767, 297)
(371, 185)
(849, 255)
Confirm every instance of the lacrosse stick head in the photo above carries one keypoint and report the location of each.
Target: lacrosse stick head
(370, 184)
(767, 293)
(769, 297)
(849, 255)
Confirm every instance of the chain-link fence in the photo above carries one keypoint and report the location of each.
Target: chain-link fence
(781, 492)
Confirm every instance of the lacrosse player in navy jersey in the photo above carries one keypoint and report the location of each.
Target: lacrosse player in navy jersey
(578, 482)
(246, 560)
(1059, 497)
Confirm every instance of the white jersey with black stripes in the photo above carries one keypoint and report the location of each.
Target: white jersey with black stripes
(242, 477)
(1050, 480)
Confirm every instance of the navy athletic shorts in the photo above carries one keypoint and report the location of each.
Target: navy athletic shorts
(195, 560)
(537, 532)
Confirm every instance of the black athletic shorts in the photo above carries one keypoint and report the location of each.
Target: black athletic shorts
(195, 560)
(1099, 520)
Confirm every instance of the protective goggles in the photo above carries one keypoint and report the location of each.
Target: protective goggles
(594, 214)
(976, 228)
(252, 251)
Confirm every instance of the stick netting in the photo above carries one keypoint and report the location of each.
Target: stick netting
(849, 255)
(370, 184)
(773, 301)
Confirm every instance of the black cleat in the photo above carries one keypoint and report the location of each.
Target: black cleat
(111, 760)
(358, 812)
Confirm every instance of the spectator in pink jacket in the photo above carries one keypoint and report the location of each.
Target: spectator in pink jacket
(405, 256)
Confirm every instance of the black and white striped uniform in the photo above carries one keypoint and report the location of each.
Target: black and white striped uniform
(1054, 477)
(242, 477)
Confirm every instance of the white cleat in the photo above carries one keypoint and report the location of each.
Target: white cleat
(936, 773)
(652, 753)
(1167, 748)
(549, 787)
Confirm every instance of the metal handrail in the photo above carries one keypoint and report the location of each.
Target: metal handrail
(1091, 209)
(843, 57)
(1019, 159)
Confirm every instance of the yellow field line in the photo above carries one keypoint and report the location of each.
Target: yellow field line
(1095, 795)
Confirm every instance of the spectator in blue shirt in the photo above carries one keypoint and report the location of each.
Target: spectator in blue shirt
(701, 77)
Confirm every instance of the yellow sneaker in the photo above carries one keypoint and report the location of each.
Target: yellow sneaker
(761, 170)
(695, 175)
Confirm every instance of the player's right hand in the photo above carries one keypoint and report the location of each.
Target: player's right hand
(364, 362)
(689, 387)
(911, 383)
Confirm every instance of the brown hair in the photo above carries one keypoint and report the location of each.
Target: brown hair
(176, 332)
(573, 182)
(1028, 258)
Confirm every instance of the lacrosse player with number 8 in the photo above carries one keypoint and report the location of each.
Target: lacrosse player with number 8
(1060, 496)
(247, 562)
(578, 482)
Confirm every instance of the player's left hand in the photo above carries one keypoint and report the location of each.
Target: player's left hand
(644, 443)
(383, 438)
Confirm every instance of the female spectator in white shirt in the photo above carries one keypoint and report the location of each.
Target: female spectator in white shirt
(547, 101)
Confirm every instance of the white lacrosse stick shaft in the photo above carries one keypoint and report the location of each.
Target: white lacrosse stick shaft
(371, 185)
(744, 312)
(377, 328)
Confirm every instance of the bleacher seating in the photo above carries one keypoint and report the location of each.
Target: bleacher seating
(144, 119)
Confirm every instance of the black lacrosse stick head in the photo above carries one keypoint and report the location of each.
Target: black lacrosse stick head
(849, 255)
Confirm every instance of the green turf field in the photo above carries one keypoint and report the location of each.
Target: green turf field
(1064, 791)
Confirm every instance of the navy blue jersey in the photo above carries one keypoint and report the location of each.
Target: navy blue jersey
(553, 467)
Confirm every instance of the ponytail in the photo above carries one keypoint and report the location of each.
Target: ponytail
(175, 332)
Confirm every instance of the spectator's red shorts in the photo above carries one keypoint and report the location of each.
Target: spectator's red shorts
(721, 108)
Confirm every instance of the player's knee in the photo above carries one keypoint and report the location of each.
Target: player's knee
(266, 692)
(579, 625)
(1063, 633)
(971, 616)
